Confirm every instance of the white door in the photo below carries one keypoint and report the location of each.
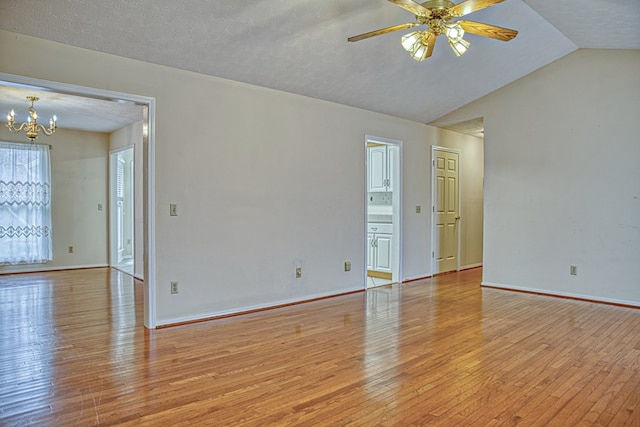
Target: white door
(120, 219)
(121, 210)
(446, 210)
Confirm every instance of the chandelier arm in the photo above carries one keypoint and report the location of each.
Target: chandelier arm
(46, 131)
(14, 129)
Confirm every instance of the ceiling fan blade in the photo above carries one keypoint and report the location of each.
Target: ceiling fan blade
(413, 7)
(486, 30)
(431, 42)
(469, 6)
(382, 31)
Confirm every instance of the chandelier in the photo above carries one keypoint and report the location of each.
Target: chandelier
(31, 127)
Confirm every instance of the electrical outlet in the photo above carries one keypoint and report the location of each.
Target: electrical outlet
(173, 209)
(298, 272)
(174, 287)
(573, 270)
(347, 266)
(418, 208)
(70, 249)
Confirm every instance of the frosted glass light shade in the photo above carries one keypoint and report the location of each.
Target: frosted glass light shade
(454, 32)
(459, 47)
(408, 41)
(416, 43)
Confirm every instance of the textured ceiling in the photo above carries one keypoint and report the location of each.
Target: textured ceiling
(73, 112)
(300, 46)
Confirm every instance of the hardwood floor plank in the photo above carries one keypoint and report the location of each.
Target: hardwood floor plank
(629, 396)
(441, 351)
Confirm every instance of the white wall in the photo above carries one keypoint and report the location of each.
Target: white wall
(268, 182)
(562, 181)
(131, 136)
(78, 184)
(471, 193)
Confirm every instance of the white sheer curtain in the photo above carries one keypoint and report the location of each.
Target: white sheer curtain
(25, 204)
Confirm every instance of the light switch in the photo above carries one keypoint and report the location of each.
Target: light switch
(173, 209)
(418, 208)
(99, 206)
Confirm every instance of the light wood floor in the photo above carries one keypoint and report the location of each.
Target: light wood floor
(442, 351)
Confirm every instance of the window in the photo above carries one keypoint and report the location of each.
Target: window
(25, 204)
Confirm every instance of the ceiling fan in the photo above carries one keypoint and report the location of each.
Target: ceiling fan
(439, 17)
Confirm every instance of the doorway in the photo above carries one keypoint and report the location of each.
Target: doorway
(121, 210)
(445, 166)
(383, 211)
(148, 161)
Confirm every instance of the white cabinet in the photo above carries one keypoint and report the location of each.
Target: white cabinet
(380, 160)
(371, 254)
(379, 238)
(383, 253)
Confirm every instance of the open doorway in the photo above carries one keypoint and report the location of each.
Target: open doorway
(383, 215)
(121, 210)
(110, 99)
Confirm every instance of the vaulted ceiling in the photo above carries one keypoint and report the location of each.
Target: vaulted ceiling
(301, 46)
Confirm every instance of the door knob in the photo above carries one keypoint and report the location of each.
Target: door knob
(457, 217)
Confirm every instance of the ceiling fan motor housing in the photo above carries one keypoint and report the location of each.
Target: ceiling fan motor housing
(440, 14)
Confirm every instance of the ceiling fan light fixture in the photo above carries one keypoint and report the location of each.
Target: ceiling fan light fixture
(420, 54)
(409, 40)
(459, 47)
(417, 44)
(454, 32)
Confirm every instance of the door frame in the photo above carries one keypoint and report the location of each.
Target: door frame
(148, 126)
(433, 204)
(396, 271)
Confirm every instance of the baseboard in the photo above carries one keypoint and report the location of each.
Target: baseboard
(39, 269)
(567, 295)
(249, 309)
(470, 266)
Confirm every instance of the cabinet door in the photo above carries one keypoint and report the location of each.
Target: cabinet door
(370, 251)
(383, 252)
(377, 168)
(392, 154)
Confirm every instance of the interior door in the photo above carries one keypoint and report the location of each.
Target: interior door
(120, 206)
(446, 210)
(121, 210)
